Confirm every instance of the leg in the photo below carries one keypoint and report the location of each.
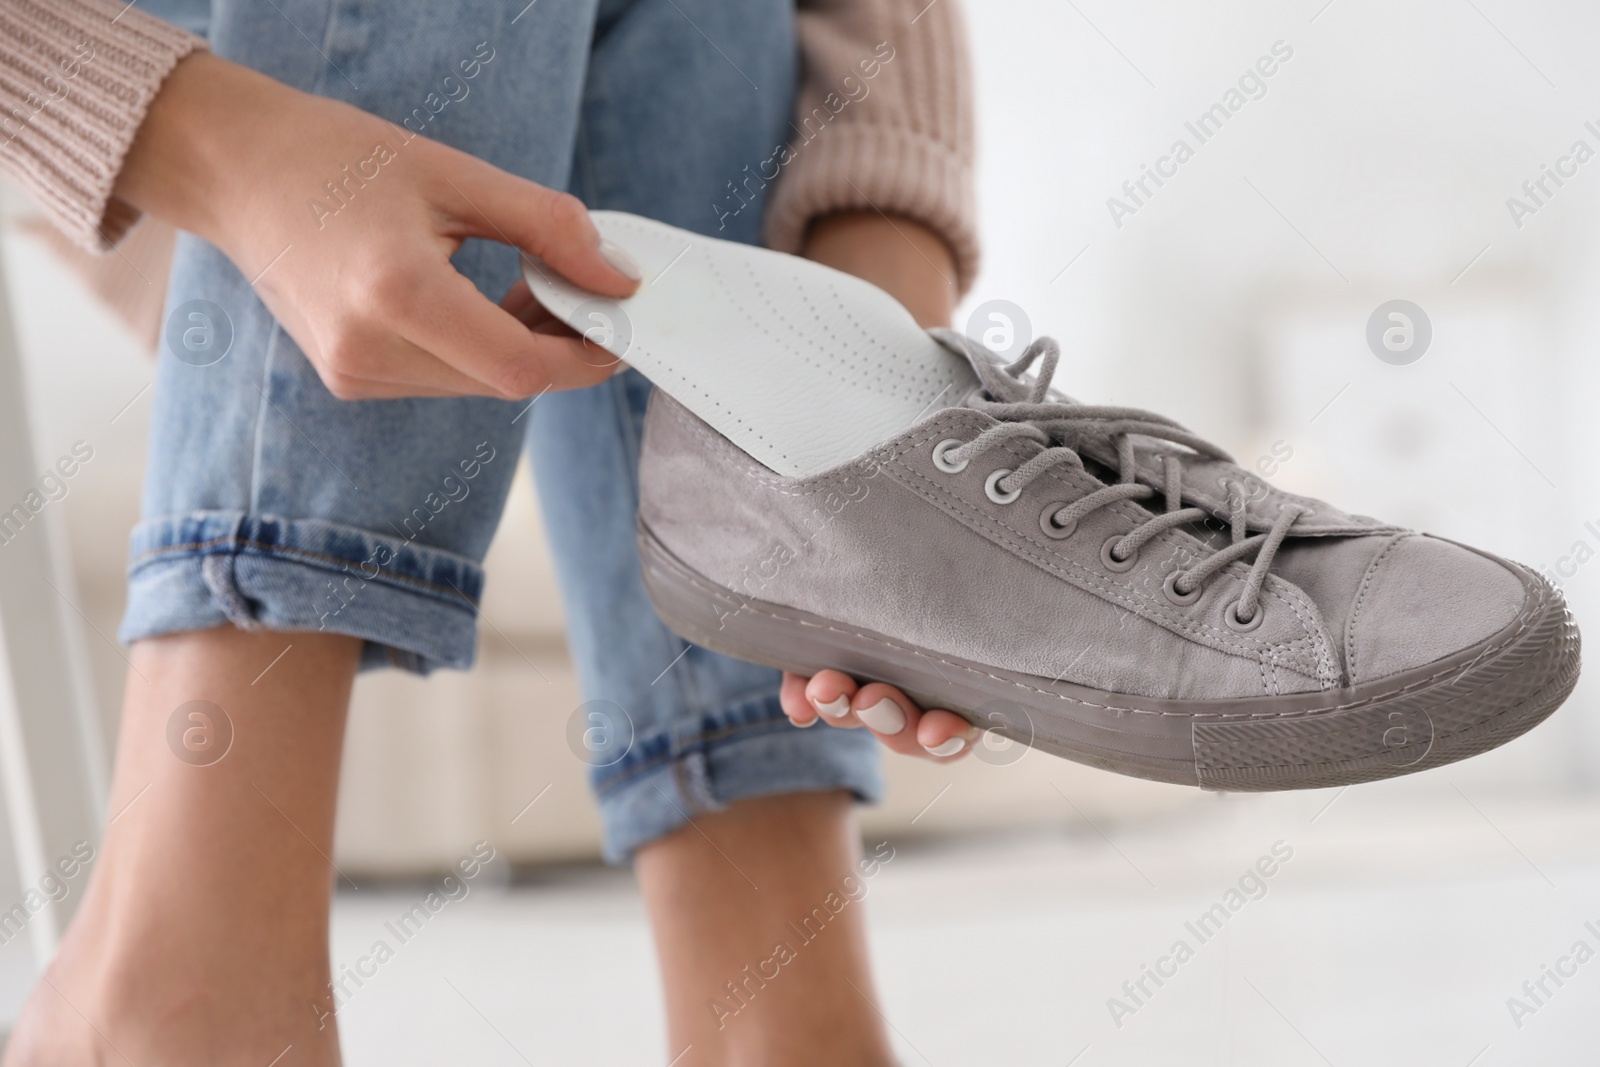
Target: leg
(354, 531)
(697, 736)
(743, 984)
(670, 124)
(203, 939)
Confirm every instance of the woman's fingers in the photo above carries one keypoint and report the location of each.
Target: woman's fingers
(521, 305)
(835, 699)
(792, 697)
(449, 318)
(890, 715)
(511, 350)
(945, 735)
(448, 347)
(829, 693)
(556, 227)
(822, 698)
(526, 309)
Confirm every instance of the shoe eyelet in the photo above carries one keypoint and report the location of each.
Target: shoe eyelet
(1111, 562)
(946, 465)
(1047, 522)
(992, 490)
(1230, 615)
(1170, 588)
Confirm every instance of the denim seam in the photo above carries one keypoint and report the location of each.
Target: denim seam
(282, 552)
(692, 775)
(268, 360)
(321, 88)
(581, 183)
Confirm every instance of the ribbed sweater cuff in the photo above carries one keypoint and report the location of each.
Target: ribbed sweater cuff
(76, 78)
(866, 167)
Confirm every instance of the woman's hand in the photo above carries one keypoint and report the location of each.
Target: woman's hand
(367, 290)
(914, 265)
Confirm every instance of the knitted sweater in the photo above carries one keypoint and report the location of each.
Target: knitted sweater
(883, 122)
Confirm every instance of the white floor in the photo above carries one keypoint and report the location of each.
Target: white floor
(1405, 918)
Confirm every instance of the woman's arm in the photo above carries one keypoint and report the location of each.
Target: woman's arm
(901, 256)
(374, 302)
(883, 125)
(111, 113)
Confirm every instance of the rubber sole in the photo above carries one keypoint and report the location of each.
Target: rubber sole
(1473, 701)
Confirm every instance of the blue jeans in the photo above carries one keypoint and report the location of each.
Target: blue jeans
(271, 504)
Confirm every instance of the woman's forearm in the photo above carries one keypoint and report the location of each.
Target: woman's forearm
(194, 134)
(904, 258)
(883, 122)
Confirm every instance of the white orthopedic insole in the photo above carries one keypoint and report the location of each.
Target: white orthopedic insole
(800, 365)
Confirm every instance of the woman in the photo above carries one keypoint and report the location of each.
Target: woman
(356, 182)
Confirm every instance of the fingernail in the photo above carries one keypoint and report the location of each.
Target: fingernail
(885, 717)
(618, 257)
(805, 725)
(949, 748)
(836, 708)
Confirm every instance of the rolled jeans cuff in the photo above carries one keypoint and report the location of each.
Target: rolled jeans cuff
(415, 606)
(749, 749)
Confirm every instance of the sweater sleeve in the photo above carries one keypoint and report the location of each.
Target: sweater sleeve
(884, 122)
(76, 78)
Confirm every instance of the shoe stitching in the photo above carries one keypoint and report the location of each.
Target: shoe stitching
(1120, 594)
(1321, 663)
(1311, 639)
(1527, 621)
(786, 487)
(1115, 592)
(1026, 408)
(1361, 598)
(817, 484)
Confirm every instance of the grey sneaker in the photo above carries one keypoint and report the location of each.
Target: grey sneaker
(1102, 584)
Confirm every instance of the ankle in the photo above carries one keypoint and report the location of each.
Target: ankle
(130, 996)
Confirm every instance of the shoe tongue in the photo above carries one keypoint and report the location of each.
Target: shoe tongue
(1216, 534)
(800, 365)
